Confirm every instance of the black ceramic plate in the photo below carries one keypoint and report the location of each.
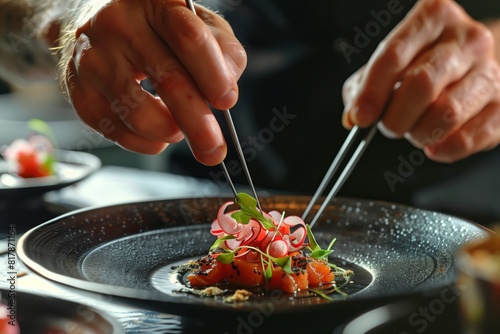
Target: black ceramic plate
(71, 167)
(127, 250)
(45, 315)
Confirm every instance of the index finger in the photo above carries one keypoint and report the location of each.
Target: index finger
(423, 25)
(194, 44)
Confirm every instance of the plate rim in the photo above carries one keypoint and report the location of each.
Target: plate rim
(152, 296)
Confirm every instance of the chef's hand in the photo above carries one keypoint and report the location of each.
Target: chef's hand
(190, 60)
(437, 79)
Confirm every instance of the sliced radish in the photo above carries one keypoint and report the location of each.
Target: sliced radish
(227, 223)
(278, 248)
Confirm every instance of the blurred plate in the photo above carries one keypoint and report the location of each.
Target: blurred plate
(127, 250)
(428, 315)
(71, 167)
(45, 315)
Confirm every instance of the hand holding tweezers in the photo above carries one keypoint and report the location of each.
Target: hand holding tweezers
(236, 142)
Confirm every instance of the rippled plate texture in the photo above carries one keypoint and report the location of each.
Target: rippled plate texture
(120, 250)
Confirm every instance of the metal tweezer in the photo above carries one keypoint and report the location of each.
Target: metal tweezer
(236, 143)
(349, 167)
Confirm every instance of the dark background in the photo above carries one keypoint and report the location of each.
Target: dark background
(295, 62)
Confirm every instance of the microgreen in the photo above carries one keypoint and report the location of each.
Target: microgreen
(316, 251)
(322, 294)
(313, 245)
(49, 164)
(269, 271)
(225, 258)
(220, 240)
(249, 211)
(284, 262)
(42, 128)
(247, 235)
(347, 274)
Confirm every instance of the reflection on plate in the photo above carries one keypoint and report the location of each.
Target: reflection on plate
(126, 250)
(71, 167)
(45, 315)
(425, 314)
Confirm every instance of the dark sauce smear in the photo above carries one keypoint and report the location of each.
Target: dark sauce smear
(358, 281)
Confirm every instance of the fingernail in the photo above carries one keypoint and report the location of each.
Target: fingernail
(227, 100)
(385, 131)
(212, 157)
(346, 120)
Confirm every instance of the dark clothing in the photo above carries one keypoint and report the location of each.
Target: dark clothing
(289, 113)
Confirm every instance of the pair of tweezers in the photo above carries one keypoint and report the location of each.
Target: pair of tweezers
(236, 142)
(334, 167)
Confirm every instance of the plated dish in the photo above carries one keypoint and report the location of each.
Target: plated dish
(70, 168)
(129, 250)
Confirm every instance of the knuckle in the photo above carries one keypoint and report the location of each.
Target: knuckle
(482, 37)
(90, 63)
(196, 34)
(444, 8)
(239, 57)
(491, 76)
(391, 55)
(493, 68)
(451, 110)
(423, 81)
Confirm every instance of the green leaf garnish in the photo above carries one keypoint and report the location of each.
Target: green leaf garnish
(42, 128)
(269, 271)
(49, 164)
(249, 211)
(313, 245)
(321, 294)
(316, 251)
(320, 253)
(284, 262)
(220, 240)
(225, 258)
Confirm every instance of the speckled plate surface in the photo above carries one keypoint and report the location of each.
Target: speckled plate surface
(127, 251)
